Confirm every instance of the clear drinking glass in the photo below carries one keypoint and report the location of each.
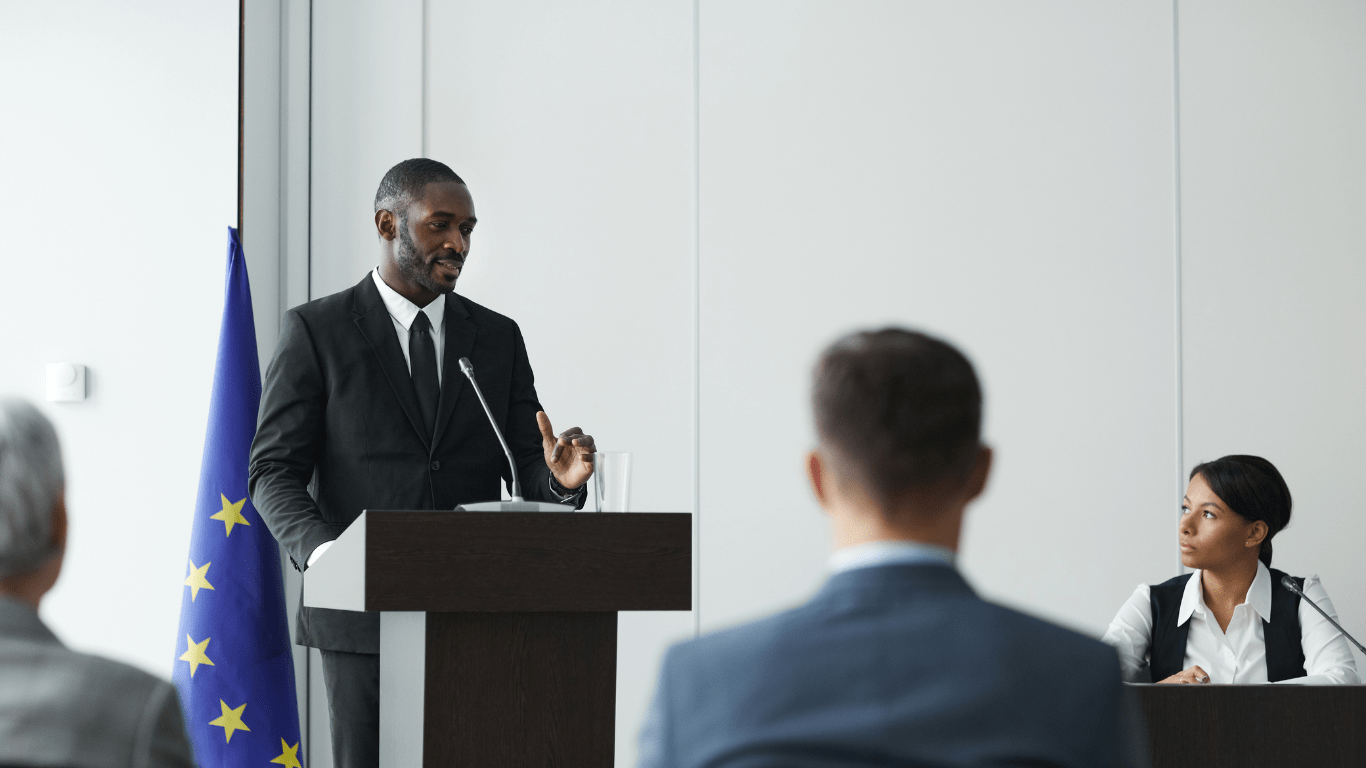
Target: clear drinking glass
(612, 480)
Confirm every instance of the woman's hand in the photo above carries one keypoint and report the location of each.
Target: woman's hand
(1193, 675)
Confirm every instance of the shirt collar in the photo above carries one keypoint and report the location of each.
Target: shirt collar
(1258, 596)
(875, 553)
(404, 311)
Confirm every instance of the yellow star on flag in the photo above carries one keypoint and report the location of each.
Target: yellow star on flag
(195, 654)
(231, 514)
(289, 756)
(196, 580)
(230, 720)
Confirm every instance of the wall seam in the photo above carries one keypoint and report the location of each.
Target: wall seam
(696, 319)
(241, 108)
(282, 260)
(308, 295)
(308, 287)
(425, 48)
(282, 163)
(1176, 261)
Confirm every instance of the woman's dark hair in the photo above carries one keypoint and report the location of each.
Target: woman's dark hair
(1250, 486)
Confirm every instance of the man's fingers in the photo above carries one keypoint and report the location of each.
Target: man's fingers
(547, 434)
(572, 437)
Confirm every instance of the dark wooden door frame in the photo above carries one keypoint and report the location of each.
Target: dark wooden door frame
(241, 104)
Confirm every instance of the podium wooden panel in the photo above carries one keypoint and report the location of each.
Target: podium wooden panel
(1209, 726)
(499, 629)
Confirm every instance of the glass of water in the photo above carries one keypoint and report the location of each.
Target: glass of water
(612, 480)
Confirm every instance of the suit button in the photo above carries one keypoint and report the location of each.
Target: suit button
(436, 465)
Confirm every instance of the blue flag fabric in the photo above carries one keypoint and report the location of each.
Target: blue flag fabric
(234, 668)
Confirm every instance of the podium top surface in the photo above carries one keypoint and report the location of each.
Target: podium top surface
(457, 561)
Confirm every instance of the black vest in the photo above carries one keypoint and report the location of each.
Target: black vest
(1284, 653)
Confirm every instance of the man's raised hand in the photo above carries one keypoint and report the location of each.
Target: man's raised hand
(569, 456)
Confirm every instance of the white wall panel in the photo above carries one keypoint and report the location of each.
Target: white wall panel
(996, 173)
(572, 124)
(1274, 178)
(262, 222)
(118, 145)
(367, 116)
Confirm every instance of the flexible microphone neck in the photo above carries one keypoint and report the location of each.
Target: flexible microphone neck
(1290, 584)
(467, 368)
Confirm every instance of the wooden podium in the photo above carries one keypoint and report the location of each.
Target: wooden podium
(498, 630)
(1247, 726)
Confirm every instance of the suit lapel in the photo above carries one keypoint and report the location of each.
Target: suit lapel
(460, 334)
(372, 318)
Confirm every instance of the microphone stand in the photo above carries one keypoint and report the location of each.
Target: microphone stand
(517, 504)
(1290, 584)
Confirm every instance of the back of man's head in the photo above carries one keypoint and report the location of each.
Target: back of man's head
(897, 411)
(31, 482)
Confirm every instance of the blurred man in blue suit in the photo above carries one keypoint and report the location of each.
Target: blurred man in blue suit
(895, 661)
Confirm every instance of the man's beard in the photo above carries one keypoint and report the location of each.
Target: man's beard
(411, 265)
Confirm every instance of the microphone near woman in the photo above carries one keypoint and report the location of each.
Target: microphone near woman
(1289, 583)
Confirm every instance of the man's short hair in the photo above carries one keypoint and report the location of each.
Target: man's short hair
(31, 478)
(899, 410)
(404, 183)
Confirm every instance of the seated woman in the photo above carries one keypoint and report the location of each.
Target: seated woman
(1231, 620)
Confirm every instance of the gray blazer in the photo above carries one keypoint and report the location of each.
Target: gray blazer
(63, 708)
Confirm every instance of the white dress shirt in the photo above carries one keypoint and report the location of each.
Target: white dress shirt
(899, 552)
(1237, 655)
(403, 313)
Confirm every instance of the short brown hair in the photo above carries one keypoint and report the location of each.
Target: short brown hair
(900, 409)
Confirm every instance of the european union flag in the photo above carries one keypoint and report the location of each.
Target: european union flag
(234, 668)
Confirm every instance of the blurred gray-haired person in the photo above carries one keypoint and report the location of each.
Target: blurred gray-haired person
(59, 707)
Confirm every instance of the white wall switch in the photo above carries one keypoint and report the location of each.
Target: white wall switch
(65, 382)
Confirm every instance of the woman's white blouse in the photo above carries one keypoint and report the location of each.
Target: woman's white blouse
(1239, 654)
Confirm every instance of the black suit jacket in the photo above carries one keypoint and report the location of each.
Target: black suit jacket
(338, 410)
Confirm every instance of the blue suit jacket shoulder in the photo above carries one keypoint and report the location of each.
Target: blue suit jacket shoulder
(892, 665)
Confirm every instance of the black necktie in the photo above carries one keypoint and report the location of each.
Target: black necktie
(422, 352)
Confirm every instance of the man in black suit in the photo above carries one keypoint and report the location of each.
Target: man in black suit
(366, 400)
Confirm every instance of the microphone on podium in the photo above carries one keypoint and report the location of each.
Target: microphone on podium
(1290, 584)
(517, 504)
